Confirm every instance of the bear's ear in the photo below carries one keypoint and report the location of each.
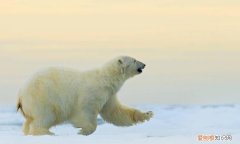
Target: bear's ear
(120, 61)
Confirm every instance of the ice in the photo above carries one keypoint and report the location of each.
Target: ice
(171, 124)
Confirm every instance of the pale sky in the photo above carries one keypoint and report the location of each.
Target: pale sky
(191, 48)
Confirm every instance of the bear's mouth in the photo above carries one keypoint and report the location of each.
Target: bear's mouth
(139, 70)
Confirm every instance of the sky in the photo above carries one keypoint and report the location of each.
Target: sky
(191, 48)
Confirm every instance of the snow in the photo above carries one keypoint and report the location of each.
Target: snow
(171, 124)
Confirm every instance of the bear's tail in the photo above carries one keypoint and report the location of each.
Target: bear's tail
(19, 107)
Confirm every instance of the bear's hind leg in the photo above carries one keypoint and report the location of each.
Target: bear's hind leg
(26, 126)
(38, 127)
(41, 125)
(40, 131)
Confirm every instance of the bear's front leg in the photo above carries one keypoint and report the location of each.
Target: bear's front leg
(120, 115)
(88, 129)
(86, 121)
(142, 116)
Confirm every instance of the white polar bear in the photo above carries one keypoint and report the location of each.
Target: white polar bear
(59, 95)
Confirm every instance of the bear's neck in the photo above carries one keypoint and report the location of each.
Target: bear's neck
(112, 78)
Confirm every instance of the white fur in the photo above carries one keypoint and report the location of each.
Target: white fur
(57, 95)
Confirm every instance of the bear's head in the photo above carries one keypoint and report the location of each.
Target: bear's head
(130, 66)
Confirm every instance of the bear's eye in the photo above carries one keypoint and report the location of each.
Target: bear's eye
(134, 61)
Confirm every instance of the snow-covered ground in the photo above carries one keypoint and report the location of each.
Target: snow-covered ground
(171, 125)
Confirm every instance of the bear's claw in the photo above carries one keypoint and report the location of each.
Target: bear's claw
(149, 115)
(86, 132)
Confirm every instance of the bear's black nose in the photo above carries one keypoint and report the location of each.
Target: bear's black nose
(144, 65)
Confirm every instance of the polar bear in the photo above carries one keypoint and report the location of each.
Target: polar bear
(58, 95)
